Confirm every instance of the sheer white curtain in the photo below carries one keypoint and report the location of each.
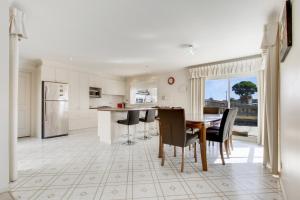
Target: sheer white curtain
(261, 105)
(197, 96)
(270, 47)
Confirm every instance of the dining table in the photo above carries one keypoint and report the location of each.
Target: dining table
(199, 124)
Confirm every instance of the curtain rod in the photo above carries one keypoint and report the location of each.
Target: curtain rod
(225, 61)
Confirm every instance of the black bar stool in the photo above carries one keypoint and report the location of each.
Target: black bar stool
(132, 119)
(149, 118)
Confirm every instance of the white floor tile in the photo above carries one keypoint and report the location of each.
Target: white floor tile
(79, 167)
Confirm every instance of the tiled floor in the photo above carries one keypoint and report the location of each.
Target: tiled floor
(79, 167)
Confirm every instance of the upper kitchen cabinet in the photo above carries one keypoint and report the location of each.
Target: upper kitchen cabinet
(55, 74)
(62, 75)
(109, 86)
(74, 89)
(48, 73)
(94, 81)
(84, 91)
(113, 87)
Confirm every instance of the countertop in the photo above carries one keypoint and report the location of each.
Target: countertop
(125, 109)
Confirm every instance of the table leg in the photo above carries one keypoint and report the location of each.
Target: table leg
(160, 147)
(202, 141)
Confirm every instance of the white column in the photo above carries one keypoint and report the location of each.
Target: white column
(13, 80)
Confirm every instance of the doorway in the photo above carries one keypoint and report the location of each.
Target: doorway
(24, 104)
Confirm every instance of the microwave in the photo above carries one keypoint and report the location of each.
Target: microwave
(95, 92)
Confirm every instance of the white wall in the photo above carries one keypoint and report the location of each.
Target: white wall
(168, 95)
(290, 113)
(4, 95)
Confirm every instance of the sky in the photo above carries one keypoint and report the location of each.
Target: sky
(217, 89)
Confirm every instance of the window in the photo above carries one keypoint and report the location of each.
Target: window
(145, 96)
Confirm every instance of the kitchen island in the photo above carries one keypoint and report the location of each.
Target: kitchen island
(109, 131)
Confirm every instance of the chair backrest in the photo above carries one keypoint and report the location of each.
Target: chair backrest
(172, 126)
(150, 115)
(133, 117)
(234, 114)
(226, 123)
(211, 110)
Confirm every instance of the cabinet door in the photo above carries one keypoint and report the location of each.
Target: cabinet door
(48, 73)
(94, 81)
(113, 87)
(120, 87)
(62, 75)
(84, 91)
(74, 87)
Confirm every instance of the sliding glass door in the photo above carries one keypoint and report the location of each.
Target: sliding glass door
(238, 92)
(216, 93)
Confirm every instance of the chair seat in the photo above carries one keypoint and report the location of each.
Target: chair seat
(143, 120)
(214, 128)
(212, 135)
(124, 121)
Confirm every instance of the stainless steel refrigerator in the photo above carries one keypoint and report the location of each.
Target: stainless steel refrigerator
(55, 108)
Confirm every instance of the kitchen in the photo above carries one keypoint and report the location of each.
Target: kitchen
(83, 103)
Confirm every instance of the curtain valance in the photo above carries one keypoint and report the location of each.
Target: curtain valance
(227, 68)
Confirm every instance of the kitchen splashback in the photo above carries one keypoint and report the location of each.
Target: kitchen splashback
(106, 100)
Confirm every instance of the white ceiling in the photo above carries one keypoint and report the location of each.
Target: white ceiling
(122, 37)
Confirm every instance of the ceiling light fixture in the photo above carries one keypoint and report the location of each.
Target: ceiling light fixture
(190, 48)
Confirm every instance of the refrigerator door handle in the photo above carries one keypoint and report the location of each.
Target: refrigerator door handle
(45, 92)
(45, 111)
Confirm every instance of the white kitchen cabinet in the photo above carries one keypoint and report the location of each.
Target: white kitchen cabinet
(113, 87)
(55, 74)
(84, 91)
(74, 92)
(93, 81)
(48, 73)
(79, 91)
(83, 119)
(62, 75)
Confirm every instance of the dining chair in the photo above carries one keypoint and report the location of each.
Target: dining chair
(221, 134)
(172, 128)
(230, 143)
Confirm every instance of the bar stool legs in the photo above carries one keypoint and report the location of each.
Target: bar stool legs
(146, 132)
(129, 141)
